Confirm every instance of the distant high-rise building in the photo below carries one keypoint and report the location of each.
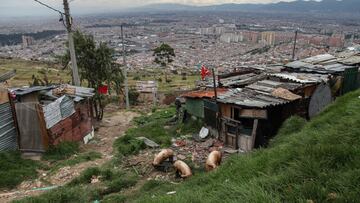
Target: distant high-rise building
(27, 41)
(232, 37)
(268, 38)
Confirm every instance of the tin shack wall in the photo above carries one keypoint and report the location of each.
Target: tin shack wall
(195, 107)
(73, 128)
(8, 133)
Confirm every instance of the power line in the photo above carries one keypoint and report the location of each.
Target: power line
(54, 9)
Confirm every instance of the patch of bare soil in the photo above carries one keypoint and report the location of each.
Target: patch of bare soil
(114, 125)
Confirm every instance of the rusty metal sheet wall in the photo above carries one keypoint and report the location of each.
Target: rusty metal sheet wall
(73, 128)
(8, 133)
(29, 127)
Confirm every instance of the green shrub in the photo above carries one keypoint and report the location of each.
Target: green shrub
(128, 145)
(120, 183)
(85, 176)
(114, 198)
(133, 96)
(88, 156)
(65, 195)
(136, 77)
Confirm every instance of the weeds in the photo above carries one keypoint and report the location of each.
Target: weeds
(89, 156)
(62, 151)
(155, 127)
(128, 145)
(80, 189)
(14, 169)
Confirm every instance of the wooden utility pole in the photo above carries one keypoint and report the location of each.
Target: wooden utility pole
(125, 70)
(293, 54)
(68, 21)
(215, 90)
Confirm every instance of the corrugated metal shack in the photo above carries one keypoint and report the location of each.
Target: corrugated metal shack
(47, 116)
(8, 131)
(258, 100)
(342, 70)
(251, 115)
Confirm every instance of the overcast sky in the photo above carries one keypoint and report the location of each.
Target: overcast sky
(31, 8)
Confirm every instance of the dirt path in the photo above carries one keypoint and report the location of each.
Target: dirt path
(113, 126)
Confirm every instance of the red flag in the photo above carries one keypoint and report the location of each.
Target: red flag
(204, 72)
(103, 89)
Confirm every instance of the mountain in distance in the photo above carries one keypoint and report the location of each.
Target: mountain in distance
(340, 6)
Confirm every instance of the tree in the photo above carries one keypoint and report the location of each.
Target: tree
(96, 67)
(164, 55)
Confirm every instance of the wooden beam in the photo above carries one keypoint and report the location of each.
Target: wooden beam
(4, 96)
(42, 126)
(253, 113)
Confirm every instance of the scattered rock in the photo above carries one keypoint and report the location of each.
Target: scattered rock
(204, 132)
(94, 179)
(231, 151)
(171, 193)
(149, 142)
(208, 143)
(167, 127)
(181, 157)
(180, 143)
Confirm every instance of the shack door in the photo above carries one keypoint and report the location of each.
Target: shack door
(8, 133)
(350, 80)
(30, 127)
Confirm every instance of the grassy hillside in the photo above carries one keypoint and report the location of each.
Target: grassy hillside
(26, 69)
(318, 161)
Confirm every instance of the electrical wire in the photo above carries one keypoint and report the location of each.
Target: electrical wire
(54, 9)
(62, 14)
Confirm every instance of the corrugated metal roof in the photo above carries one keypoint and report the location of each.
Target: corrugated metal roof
(73, 91)
(250, 98)
(8, 134)
(241, 80)
(204, 93)
(52, 114)
(299, 64)
(319, 59)
(58, 110)
(28, 90)
(67, 107)
(352, 60)
(83, 91)
(324, 64)
(304, 78)
(7, 75)
(262, 94)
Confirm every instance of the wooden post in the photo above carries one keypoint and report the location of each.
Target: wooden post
(42, 126)
(68, 21)
(215, 91)
(254, 132)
